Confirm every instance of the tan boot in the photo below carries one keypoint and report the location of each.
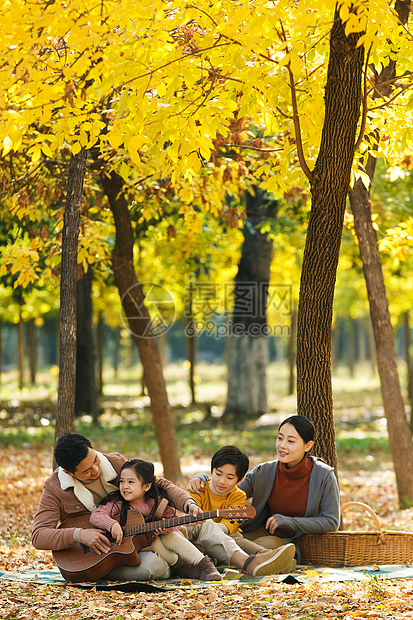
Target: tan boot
(271, 562)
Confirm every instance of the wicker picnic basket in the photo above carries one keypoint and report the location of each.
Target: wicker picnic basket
(357, 548)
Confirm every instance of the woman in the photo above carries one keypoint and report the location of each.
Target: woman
(294, 494)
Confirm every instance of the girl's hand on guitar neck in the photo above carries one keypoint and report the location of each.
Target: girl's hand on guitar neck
(94, 539)
(117, 533)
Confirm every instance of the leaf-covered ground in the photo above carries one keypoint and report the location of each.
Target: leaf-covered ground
(22, 473)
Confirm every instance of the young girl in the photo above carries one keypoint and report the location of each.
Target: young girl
(138, 490)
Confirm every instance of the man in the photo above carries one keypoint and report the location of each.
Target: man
(83, 478)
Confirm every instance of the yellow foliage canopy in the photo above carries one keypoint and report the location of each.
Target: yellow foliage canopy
(166, 78)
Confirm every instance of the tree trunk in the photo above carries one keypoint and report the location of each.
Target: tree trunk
(140, 324)
(351, 347)
(85, 395)
(190, 337)
(32, 350)
(248, 357)
(143, 385)
(409, 366)
(99, 336)
(1, 351)
(361, 350)
(400, 439)
(335, 345)
(57, 335)
(68, 294)
(163, 349)
(20, 350)
(401, 445)
(372, 350)
(116, 352)
(329, 184)
(292, 352)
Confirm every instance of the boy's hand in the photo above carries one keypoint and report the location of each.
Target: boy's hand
(271, 525)
(117, 533)
(197, 486)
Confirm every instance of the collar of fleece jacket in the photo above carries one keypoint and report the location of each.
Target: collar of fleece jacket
(82, 493)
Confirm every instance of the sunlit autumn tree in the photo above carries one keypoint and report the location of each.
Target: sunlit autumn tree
(162, 82)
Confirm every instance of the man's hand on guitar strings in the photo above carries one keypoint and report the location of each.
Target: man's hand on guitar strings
(95, 539)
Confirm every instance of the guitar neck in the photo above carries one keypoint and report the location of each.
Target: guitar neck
(166, 523)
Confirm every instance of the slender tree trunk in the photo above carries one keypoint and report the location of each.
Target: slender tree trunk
(140, 325)
(68, 296)
(57, 335)
(351, 347)
(116, 352)
(32, 350)
(20, 350)
(227, 340)
(361, 350)
(1, 352)
(329, 185)
(291, 352)
(248, 359)
(409, 366)
(99, 337)
(85, 395)
(143, 385)
(162, 348)
(190, 337)
(372, 349)
(400, 438)
(401, 445)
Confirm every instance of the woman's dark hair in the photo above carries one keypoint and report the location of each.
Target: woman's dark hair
(233, 456)
(303, 426)
(70, 450)
(145, 471)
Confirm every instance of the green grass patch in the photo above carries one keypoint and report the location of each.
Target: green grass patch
(362, 444)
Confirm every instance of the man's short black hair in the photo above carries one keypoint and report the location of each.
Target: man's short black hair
(233, 456)
(70, 450)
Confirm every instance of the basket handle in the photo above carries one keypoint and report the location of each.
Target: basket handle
(371, 512)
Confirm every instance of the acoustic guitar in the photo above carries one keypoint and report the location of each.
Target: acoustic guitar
(80, 563)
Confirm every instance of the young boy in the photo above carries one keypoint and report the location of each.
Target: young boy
(228, 466)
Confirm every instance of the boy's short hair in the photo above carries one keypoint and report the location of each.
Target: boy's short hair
(233, 456)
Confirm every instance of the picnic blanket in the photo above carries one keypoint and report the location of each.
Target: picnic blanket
(303, 574)
(53, 577)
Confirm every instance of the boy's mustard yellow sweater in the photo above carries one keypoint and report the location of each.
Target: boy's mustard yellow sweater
(212, 501)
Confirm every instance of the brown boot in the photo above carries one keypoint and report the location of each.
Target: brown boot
(208, 570)
(186, 570)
